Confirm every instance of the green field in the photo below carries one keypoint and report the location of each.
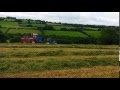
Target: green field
(63, 26)
(3, 30)
(65, 33)
(9, 24)
(89, 28)
(22, 31)
(34, 25)
(95, 34)
(21, 28)
(85, 61)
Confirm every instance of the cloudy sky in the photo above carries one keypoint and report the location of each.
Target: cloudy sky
(99, 18)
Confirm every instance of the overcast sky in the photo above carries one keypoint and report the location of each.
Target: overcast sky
(99, 18)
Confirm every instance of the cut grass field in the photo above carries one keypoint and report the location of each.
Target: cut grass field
(79, 61)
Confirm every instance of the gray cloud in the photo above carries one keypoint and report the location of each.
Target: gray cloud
(99, 18)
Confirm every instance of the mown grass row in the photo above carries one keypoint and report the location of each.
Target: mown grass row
(51, 49)
(54, 53)
(94, 72)
(43, 65)
(20, 45)
(71, 57)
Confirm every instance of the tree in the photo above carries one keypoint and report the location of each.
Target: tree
(1, 19)
(28, 21)
(15, 39)
(19, 20)
(3, 37)
(0, 26)
(28, 25)
(43, 22)
(48, 27)
(38, 21)
(63, 29)
(1, 32)
(109, 36)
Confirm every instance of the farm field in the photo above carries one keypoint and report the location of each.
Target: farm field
(58, 61)
(95, 34)
(64, 33)
(74, 55)
(15, 28)
(23, 31)
(9, 24)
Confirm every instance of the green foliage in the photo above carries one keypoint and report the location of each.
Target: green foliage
(3, 37)
(71, 29)
(1, 19)
(25, 25)
(46, 27)
(15, 39)
(1, 32)
(29, 25)
(63, 29)
(109, 36)
(74, 40)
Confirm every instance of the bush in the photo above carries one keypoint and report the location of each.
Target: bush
(3, 37)
(76, 29)
(63, 29)
(28, 25)
(46, 27)
(109, 36)
(15, 39)
(39, 28)
(0, 26)
(1, 19)
(1, 32)
(73, 40)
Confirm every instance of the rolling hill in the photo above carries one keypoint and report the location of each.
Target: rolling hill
(50, 29)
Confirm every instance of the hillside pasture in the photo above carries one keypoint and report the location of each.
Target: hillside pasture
(64, 33)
